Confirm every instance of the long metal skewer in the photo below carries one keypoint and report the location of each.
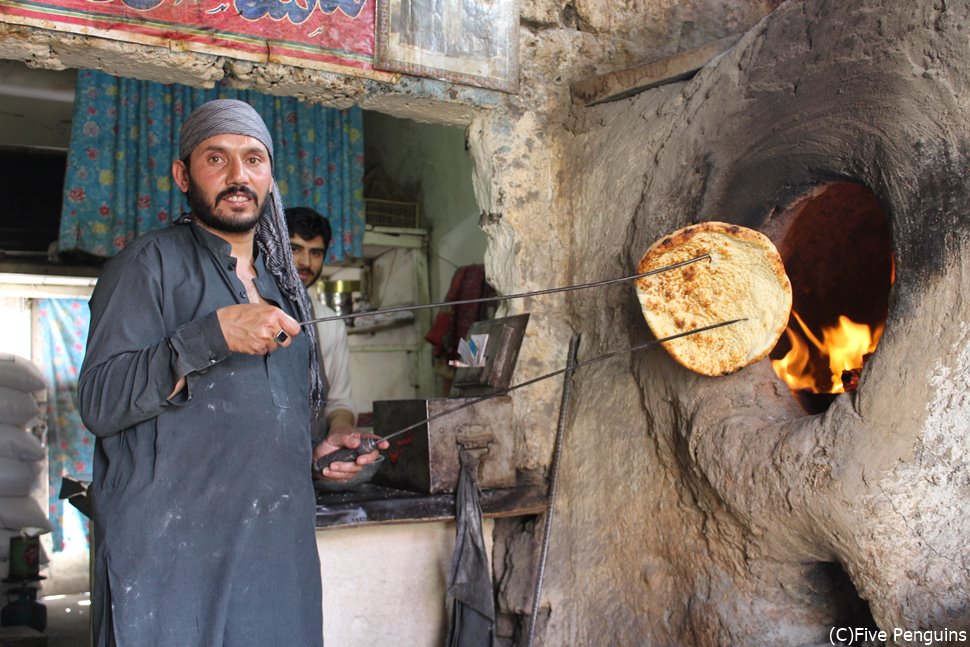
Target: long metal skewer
(553, 483)
(507, 297)
(369, 444)
(545, 376)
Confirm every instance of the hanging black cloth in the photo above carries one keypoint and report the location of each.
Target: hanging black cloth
(76, 492)
(470, 582)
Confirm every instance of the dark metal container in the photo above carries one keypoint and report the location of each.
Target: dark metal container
(425, 460)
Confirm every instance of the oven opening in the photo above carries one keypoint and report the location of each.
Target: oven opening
(837, 251)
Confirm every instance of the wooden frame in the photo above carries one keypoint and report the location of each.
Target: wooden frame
(472, 42)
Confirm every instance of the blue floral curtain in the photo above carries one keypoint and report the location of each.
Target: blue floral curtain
(125, 136)
(63, 332)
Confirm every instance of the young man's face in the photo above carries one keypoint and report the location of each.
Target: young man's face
(227, 180)
(308, 257)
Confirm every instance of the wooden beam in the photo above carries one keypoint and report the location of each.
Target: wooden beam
(621, 84)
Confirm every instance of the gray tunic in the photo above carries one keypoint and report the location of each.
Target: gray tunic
(204, 506)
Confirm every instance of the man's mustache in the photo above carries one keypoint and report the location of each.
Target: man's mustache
(236, 190)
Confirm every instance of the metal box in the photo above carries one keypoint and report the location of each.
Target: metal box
(501, 353)
(425, 459)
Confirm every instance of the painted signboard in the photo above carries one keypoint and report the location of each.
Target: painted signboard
(333, 35)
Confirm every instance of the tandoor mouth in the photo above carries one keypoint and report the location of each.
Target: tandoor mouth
(837, 251)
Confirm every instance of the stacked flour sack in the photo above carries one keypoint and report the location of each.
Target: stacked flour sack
(21, 455)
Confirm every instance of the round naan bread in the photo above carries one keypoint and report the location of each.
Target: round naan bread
(744, 279)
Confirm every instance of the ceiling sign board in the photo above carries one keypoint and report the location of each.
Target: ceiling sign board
(472, 42)
(332, 35)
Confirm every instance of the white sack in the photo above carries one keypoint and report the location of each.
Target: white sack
(17, 478)
(18, 443)
(17, 407)
(18, 512)
(20, 374)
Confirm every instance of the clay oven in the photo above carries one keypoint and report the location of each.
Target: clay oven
(718, 511)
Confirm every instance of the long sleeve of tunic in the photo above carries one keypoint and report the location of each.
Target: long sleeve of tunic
(203, 506)
(129, 369)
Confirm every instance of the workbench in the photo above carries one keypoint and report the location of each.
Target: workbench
(385, 556)
(372, 504)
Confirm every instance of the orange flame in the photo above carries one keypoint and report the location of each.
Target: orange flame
(843, 347)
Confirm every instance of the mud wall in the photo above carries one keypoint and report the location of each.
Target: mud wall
(713, 511)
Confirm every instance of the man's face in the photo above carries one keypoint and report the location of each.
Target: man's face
(227, 180)
(308, 257)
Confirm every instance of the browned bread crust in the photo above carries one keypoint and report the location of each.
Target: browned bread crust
(745, 278)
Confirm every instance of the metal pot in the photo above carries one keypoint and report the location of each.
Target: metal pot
(339, 295)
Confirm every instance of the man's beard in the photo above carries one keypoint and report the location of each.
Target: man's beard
(206, 212)
(314, 279)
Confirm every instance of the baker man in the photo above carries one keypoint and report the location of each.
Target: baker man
(202, 494)
(310, 236)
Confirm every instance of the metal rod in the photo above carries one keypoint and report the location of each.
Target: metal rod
(553, 482)
(506, 297)
(546, 376)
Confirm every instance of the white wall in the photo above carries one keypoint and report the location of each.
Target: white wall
(15, 325)
(384, 363)
(431, 164)
(387, 584)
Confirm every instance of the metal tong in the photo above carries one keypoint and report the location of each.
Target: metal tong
(368, 445)
(509, 297)
(281, 336)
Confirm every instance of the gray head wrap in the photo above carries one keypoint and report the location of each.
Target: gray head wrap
(229, 116)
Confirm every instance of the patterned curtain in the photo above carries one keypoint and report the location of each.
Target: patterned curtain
(70, 448)
(125, 136)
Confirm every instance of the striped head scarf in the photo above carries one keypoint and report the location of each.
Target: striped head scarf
(229, 116)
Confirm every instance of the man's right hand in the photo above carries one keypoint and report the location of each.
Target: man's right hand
(251, 328)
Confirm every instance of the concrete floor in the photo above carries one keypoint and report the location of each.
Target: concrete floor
(68, 619)
(66, 594)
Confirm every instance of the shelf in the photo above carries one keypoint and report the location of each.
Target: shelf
(378, 240)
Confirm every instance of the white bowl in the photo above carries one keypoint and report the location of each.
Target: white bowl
(363, 476)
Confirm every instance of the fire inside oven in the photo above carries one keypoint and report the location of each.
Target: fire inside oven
(837, 251)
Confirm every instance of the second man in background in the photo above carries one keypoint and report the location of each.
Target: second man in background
(310, 236)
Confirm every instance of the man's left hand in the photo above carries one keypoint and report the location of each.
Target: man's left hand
(343, 434)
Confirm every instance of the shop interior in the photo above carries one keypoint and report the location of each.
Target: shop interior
(421, 226)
